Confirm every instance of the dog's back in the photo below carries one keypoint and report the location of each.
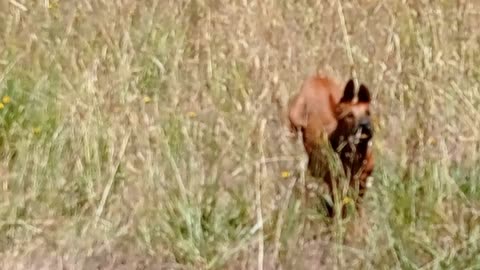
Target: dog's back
(312, 110)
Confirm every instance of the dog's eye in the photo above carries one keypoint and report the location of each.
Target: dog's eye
(349, 116)
(367, 112)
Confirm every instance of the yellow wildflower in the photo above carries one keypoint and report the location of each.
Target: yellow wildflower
(191, 114)
(2, 106)
(347, 200)
(147, 99)
(285, 174)
(6, 99)
(37, 130)
(52, 4)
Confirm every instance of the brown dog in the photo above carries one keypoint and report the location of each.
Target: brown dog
(325, 109)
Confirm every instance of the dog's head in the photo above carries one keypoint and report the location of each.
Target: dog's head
(354, 123)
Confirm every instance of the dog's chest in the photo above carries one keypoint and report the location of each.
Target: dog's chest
(353, 157)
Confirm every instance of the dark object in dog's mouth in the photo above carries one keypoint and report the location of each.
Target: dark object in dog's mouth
(363, 134)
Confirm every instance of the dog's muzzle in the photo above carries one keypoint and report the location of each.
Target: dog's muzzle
(364, 129)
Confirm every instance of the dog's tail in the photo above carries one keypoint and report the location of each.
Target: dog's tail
(297, 114)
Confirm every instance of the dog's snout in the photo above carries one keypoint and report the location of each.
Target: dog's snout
(364, 123)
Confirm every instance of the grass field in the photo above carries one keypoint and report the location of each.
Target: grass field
(151, 134)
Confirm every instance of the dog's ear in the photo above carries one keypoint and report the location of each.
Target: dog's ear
(349, 92)
(364, 94)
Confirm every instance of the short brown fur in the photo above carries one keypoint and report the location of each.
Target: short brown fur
(326, 108)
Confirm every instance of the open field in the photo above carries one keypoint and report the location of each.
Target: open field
(151, 134)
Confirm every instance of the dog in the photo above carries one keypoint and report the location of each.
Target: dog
(327, 111)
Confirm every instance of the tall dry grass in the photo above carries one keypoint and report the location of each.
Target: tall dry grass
(149, 134)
